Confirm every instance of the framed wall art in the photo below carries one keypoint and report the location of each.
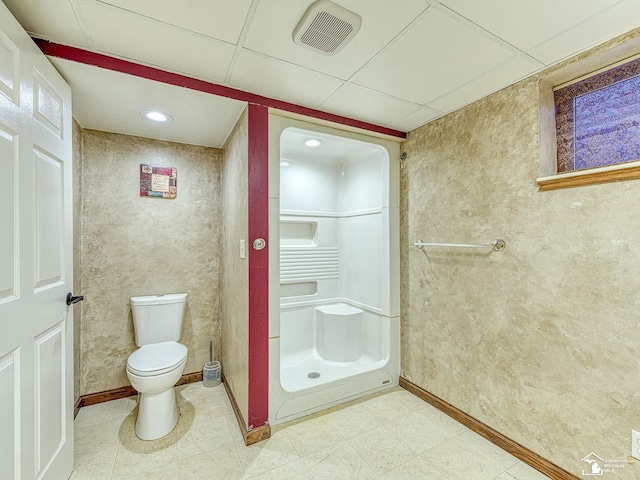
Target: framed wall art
(156, 181)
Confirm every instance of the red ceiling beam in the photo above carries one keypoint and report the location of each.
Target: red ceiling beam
(151, 73)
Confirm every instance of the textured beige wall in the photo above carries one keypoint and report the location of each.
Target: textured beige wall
(134, 245)
(235, 277)
(540, 341)
(77, 263)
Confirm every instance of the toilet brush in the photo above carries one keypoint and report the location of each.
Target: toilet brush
(211, 375)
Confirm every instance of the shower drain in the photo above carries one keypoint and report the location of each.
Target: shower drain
(313, 375)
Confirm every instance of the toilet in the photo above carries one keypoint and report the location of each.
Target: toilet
(155, 367)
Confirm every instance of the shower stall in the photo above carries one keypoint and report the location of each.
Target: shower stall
(334, 281)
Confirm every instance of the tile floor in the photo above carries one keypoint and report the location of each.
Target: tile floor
(392, 435)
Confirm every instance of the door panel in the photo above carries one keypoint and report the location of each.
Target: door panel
(9, 62)
(36, 262)
(10, 415)
(47, 104)
(49, 233)
(49, 398)
(8, 192)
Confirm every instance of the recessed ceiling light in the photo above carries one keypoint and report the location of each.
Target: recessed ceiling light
(313, 142)
(284, 163)
(157, 116)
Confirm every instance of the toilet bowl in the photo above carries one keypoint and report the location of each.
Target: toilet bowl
(153, 370)
(155, 367)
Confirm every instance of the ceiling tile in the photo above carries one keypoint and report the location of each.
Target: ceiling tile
(409, 55)
(52, 19)
(416, 119)
(214, 18)
(614, 21)
(111, 102)
(364, 104)
(438, 55)
(274, 78)
(489, 82)
(151, 42)
(271, 32)
(526, 24)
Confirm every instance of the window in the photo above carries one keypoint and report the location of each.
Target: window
(598, 119)
(594, 127)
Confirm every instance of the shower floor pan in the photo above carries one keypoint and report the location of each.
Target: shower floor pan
(300, 372)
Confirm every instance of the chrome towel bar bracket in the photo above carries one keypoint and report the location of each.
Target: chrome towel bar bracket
(496, 245)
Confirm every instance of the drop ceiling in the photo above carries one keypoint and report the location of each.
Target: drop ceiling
(411, 62)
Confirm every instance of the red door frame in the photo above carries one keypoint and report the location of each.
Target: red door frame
(258, 201)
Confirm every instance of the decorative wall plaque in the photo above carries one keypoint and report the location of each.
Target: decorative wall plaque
(158, 181)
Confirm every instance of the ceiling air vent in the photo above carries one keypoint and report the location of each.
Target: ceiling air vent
(326, 27)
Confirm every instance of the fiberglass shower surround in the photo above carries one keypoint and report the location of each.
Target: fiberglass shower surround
(339, 333)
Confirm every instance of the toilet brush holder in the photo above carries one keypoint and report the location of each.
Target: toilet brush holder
(212, 374)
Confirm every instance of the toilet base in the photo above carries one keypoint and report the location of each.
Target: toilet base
(157, 414)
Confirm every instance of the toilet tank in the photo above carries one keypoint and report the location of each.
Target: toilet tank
(158, 318)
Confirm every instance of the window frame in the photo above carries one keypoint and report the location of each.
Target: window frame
(573, 71)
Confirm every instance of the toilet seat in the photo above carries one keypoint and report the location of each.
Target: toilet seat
(157, 358)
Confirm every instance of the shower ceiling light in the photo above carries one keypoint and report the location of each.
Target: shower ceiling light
(156, 116)
(313, 142)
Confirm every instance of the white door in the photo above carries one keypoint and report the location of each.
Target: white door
(36, 268)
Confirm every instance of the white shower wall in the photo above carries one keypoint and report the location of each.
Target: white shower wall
(361, 264)
(344, 202)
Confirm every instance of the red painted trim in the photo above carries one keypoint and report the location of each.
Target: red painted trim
(258, 414)
(151, 73)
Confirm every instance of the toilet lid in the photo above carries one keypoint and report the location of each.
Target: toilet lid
(157, 358)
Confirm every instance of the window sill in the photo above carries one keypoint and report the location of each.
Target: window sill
(592, 176)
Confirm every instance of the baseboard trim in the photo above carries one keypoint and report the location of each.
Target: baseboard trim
(257, 434)
(254, 435)
(127, 391)
(76, 407)
(107, 395)
(190, 378)
(541, 464)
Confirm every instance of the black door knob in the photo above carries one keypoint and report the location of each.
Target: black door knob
(71, 299)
